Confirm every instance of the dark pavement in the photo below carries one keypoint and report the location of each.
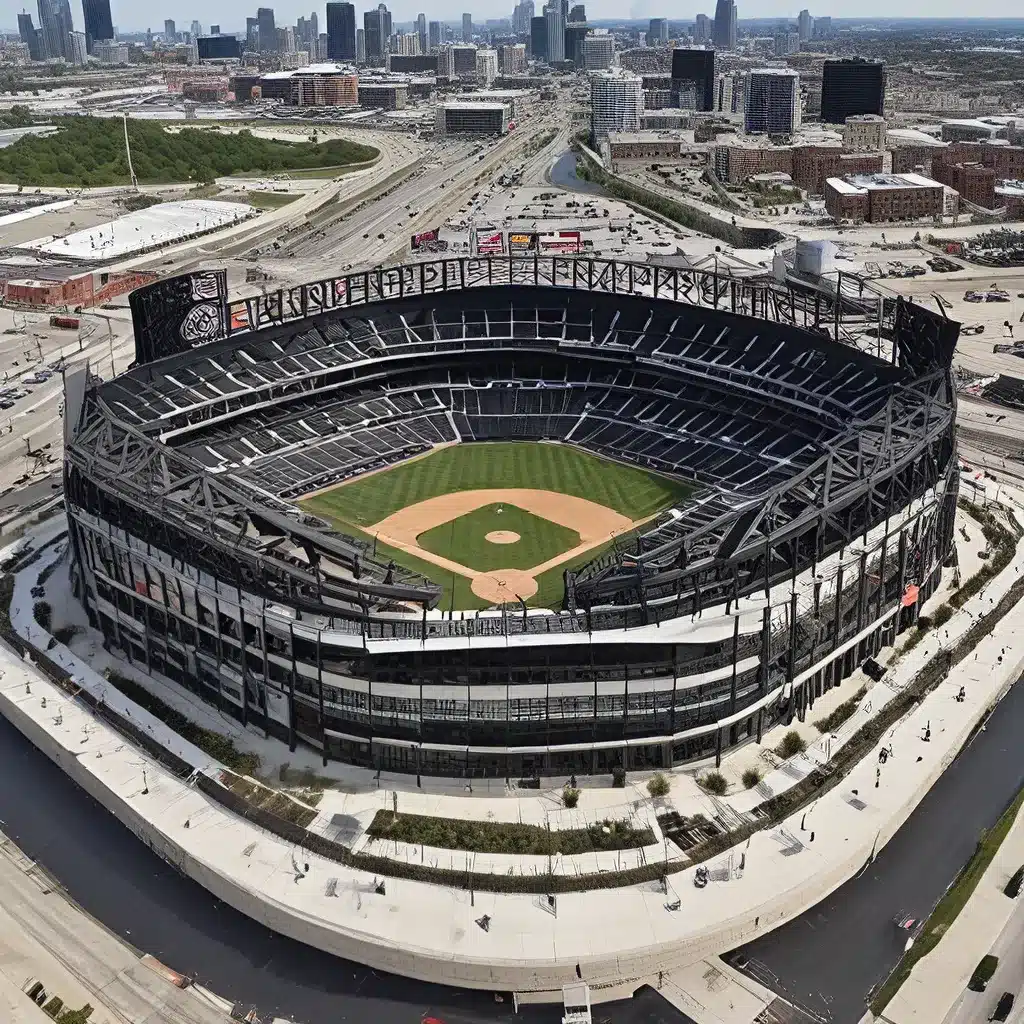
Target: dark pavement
(118, 880)
(831, 957)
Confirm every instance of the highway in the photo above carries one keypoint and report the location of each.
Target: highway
(828, 959)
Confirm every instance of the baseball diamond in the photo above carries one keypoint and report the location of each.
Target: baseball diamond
(515, 517)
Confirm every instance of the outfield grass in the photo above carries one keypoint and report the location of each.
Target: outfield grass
(470, 467)
(464, 540)
(354, 507)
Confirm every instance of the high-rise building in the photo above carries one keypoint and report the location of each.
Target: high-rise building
(52, 42)
(252, 34)
(724, 35)
(268, 30)
(521, 16)
(196, 29)
(823, 27)
(421, 31)
(702, 29)
(98, 23)
(539, 38)
(598, 52)
(805, 25)
(556, 31)
(786, 42)
(657, 31)
(512, 59)
(170, 31)
(467, 28)
(360, 46)
(215, 30)
(341, 31)
(852, 85)
(29, 35)
(374, 35)
(696, 68)
(616, 102)
(487, 65)
(77, 47)
(434, 35)
(773, 102)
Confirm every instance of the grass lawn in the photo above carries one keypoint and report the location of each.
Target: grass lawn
(463, 540)
(949, 907)
(357, 505)
(469, 467)
(506, 837)
(271, 200)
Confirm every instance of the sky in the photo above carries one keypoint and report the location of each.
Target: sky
(133, 15)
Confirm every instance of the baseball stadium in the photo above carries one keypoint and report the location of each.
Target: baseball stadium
(513, 517)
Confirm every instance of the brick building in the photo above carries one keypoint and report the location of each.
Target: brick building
(877, 198)
(324, 89)
(737, 163)
(59, 288)
(975, 182)
(909, 159)
(1006, 161)
(812, 165)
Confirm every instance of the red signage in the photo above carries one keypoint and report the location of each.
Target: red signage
(562, 241)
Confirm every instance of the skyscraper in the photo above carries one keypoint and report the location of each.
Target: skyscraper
(341, 31)
(360, 45)
(657, 31)
(170, 30)
(50, 30)
(805, 25)
(724, 35)
(555, 24)
(421, 31)
(616, 102)
(701, 29)
(373, 29)
(851, 85)
(268, 30)
(773, 102)
(434, 35)
(694, 68)
(539, 38)
(98, 23)
(252, 34)
(467, 28)
(29, 35)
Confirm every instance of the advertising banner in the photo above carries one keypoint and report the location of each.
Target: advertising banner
(522, 243)
(423, 238)
(490, 243)
(561, 241)
(179, 313)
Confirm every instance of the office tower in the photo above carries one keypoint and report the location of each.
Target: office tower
(694, 68)
(724, 33)
(616, 101)
(539, 38)
(421, 31)
(521, 16)
(598, 52)
(657, 32)
(786, 42)
(805, 25)
(98, 23)
(196, 29)
(77, 47)
(486, 66)
(852, 85)
(512, 59)
(556, 32)
(377, 29)
(50, 31)
(252, 35)
(170, 32)
(823, 27)
(286, 39)
(434, 35)
(360, 46)
(773, 102)
(215, 30)
(29, 35)
(268, 30)
(467, 28)
(702, 29)
(341, 31)
(575, 33)
(385, 25)
(578, 13)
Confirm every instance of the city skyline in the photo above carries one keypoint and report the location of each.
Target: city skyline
(231, 14)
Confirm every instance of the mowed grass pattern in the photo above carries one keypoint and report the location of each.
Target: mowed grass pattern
(470, 467)
(464, 540)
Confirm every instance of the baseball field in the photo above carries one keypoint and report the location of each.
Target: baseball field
(498, 521)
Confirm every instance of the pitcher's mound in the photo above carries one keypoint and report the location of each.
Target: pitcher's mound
(502, 536)
(504, 585)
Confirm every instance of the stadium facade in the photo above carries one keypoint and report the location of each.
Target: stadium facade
(825, 512)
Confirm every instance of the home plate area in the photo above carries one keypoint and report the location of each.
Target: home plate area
(501, 539)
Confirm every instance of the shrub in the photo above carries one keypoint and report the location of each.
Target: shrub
(714, 782)
(43, 614)
(54, 1006)
(1013, 885)
(570, 796)
(751, 777)
(943, 615)
(65, 634)
(791, 745)
(618, 777)
(983, 973)
(658, 785)
(76, 1016)
(841, 713)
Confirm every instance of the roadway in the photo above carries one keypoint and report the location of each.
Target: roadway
(829, 958)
